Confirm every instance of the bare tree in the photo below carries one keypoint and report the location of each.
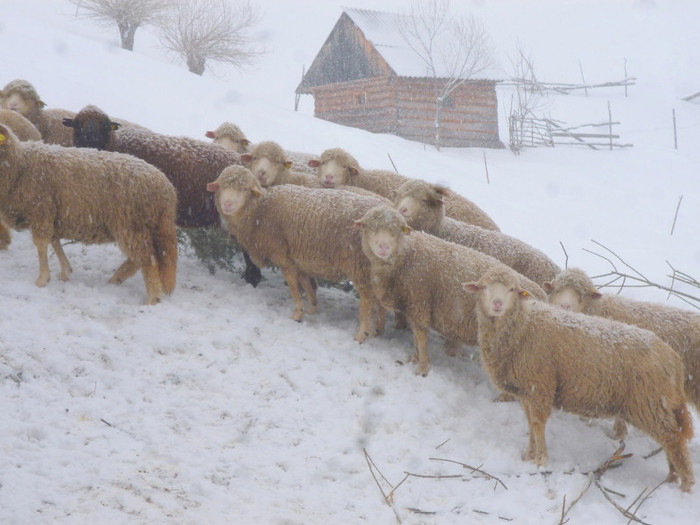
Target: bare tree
(128, 14)
(454, 48)
(216, 30)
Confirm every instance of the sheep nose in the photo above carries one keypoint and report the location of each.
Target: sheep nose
(566, 306)
(403, 211)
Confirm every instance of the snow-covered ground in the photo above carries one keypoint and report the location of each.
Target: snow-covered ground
(214, 407)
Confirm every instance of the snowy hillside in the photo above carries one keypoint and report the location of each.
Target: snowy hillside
(214, 407)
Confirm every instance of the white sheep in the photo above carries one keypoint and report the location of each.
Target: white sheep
(422, 204)
(419, 276)
(91, 197)
(306, 232)
(229, 136)
(551, 359)
(272, 166)
(337, 167)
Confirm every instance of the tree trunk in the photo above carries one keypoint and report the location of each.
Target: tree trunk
(196, 64)
(127, 32)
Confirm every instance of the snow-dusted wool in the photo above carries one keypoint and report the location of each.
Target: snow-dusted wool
(552, 359)
(91, 197)
(425, 211)
(273, 166)
(49, 121)
(21, 127)
(422, 279)
(338, 165)
(306, 232)
(679, 328)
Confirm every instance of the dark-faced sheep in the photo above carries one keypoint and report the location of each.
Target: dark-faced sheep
(550, 359)
(420, 275)
(573, 290)
(337, 167)
(19, 95)
(306, 232)
(91, 197)
(422, 204)
(188, 163)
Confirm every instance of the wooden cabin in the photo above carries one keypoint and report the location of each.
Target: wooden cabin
(366, 76)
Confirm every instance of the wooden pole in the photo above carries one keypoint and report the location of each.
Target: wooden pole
(675, 133)
(486, 166)
(610, 126)
(625, 78)
(583, 79)
(675, 217)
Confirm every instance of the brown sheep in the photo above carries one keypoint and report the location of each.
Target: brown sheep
(337, 167)
(188, 163)
(420, 275)
(19, 95)
(422, 204)
(271, 165)
(229, 136)
(573, 290)
(306, 232)
(552, 359)
(20, 126)
(91, 197)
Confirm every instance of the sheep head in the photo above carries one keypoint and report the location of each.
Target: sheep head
(233, 189)
(572, 290)
(267, 161)
(92, 128)
(229, 136)
(421, 203)
(498, 291)
(335, 167)
(19, 95)
(382, 230)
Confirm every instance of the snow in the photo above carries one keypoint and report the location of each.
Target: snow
(215, 407)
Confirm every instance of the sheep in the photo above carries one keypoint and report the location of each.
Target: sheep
(91, 197)
(306, 232)
(21, 127)
(419, 275)
(553, 359)
(421, 203)
(19, 95)
(270, 164)
(573, 290)
(229, 136)
(337, 167)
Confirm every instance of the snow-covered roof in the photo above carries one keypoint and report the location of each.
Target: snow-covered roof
(383, 31)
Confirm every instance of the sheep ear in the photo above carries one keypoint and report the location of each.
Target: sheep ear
(314, 163)
(114, 126)
(68, 122)
(353, 171)
(287, 164)
(213, 187)
(548, 286)
(358, 224)
(441, 190)
(471, 287)
(406, 229)
(595, 295)
(41, 103)
(245, 142)
(209, 134)
(3, 138)
(246, 158)
(255, 192)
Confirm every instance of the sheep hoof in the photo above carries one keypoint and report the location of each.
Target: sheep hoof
(252, 275)
(423, 369)
(64, 276)
(361, 336)
(312, 309)
(505, 397)
(42, 281)
(298, 316)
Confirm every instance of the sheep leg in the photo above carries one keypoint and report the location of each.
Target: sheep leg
(380, 318)
(42, 246)
(291, 276)
(66, 268)
(5, 237)
(619, 429)
(679, 464)
(452, 347)
(420, 356)
(366, 314)
(536, 421)
(151, 276)
(126, 270)
(310, 290)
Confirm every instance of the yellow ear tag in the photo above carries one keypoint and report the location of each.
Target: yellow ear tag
(2, 137)
(524, 294)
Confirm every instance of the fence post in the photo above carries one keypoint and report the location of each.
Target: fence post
(610, 126)
(675, 134)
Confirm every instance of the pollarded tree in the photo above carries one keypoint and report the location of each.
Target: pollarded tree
(129, 15)
(203, 30)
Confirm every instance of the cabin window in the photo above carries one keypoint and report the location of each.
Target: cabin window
(361, 99)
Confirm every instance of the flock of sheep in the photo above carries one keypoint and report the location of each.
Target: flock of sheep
(548, 338)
